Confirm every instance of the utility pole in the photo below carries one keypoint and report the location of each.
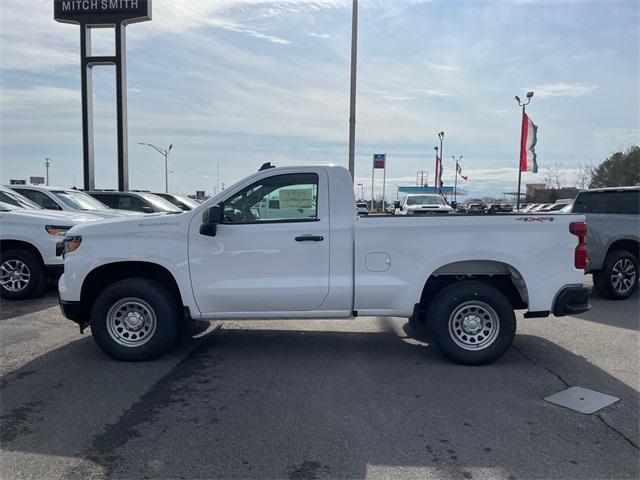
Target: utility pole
(522, 147)
(441, 137)
(165, 154)
(47, 163)
(455, 182)
(217, 175)
(436, 181)
(352, 102)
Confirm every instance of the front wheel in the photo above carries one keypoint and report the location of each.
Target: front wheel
(22, 275)
(471, 322)
(135, 319)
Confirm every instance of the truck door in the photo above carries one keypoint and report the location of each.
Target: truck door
(271, 253)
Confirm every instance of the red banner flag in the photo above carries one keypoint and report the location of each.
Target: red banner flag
(459, 170)
(528, 157)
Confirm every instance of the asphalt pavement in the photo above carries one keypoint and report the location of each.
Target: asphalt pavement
(310, 399)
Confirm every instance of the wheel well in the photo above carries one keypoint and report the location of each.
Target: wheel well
(20, 245)
(497, 274)
(105, 275)
(629, 245)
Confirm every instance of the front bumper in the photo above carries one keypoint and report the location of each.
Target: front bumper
(572, 300)
(72, 310)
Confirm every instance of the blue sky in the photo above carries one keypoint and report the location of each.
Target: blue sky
(255, 81)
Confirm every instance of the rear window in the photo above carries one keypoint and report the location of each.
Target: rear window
(622, 202)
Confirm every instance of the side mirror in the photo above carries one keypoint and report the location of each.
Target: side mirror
(454, 205)
(147, 209)
(396, 204)
(211, 217)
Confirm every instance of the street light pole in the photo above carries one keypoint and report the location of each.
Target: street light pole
(47, 163)
(165, 154)
(455, 182)
(523, 105)
(352, 102)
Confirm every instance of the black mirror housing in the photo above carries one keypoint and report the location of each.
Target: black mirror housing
(211, 217)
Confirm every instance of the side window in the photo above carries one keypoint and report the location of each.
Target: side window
(30, 194)
(109, 200)
(622, 202)
(129, 202)
(281, 198)
(40, 198)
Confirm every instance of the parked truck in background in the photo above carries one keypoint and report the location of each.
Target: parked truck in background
(423, 204)
(613, 219)
(286, 243)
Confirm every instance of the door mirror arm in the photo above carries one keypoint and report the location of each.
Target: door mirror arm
(211, 217)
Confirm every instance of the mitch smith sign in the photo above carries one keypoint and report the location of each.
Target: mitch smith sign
(99, 12)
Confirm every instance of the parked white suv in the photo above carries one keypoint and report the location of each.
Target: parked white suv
(28, 237)
(67, 199)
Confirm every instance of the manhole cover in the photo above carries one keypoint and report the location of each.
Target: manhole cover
(581, 399)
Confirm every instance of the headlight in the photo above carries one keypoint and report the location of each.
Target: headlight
(57, 230)
(68, 244)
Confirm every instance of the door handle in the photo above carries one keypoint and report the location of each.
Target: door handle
(309, 238)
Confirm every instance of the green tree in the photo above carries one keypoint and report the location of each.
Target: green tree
(619, 170)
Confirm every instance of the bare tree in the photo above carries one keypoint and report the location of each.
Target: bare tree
(554, 176)
(584, 175)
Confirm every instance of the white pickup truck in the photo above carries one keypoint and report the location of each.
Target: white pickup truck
(286, 243)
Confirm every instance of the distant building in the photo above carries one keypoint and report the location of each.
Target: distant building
(532, 188)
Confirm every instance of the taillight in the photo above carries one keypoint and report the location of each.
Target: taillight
(579, 229)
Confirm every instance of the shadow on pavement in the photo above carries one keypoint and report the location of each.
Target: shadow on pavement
(616, 313)
(16, 308)
(311, 405)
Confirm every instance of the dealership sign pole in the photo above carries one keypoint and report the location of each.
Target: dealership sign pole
(379, 161)
(116, 14)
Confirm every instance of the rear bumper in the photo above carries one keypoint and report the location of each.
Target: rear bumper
(572, 300)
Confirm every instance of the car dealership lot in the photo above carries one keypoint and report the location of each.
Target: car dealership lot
(317, 399)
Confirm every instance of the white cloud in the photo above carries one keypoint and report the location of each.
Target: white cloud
(563, 90)
(319, 35)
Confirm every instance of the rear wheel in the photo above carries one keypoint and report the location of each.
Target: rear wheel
(618, 278)
(22, 275)
(471, 322)
(135, 319)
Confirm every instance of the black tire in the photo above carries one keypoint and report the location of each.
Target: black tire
(615, 263)
(151, 300)
(35, 268)
(456, 303)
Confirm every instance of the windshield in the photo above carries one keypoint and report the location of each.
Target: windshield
(79, 200)
(425, 200)
(187, 201)
(160, 203)
(15, 201)
(7, 207)
(361, 205)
